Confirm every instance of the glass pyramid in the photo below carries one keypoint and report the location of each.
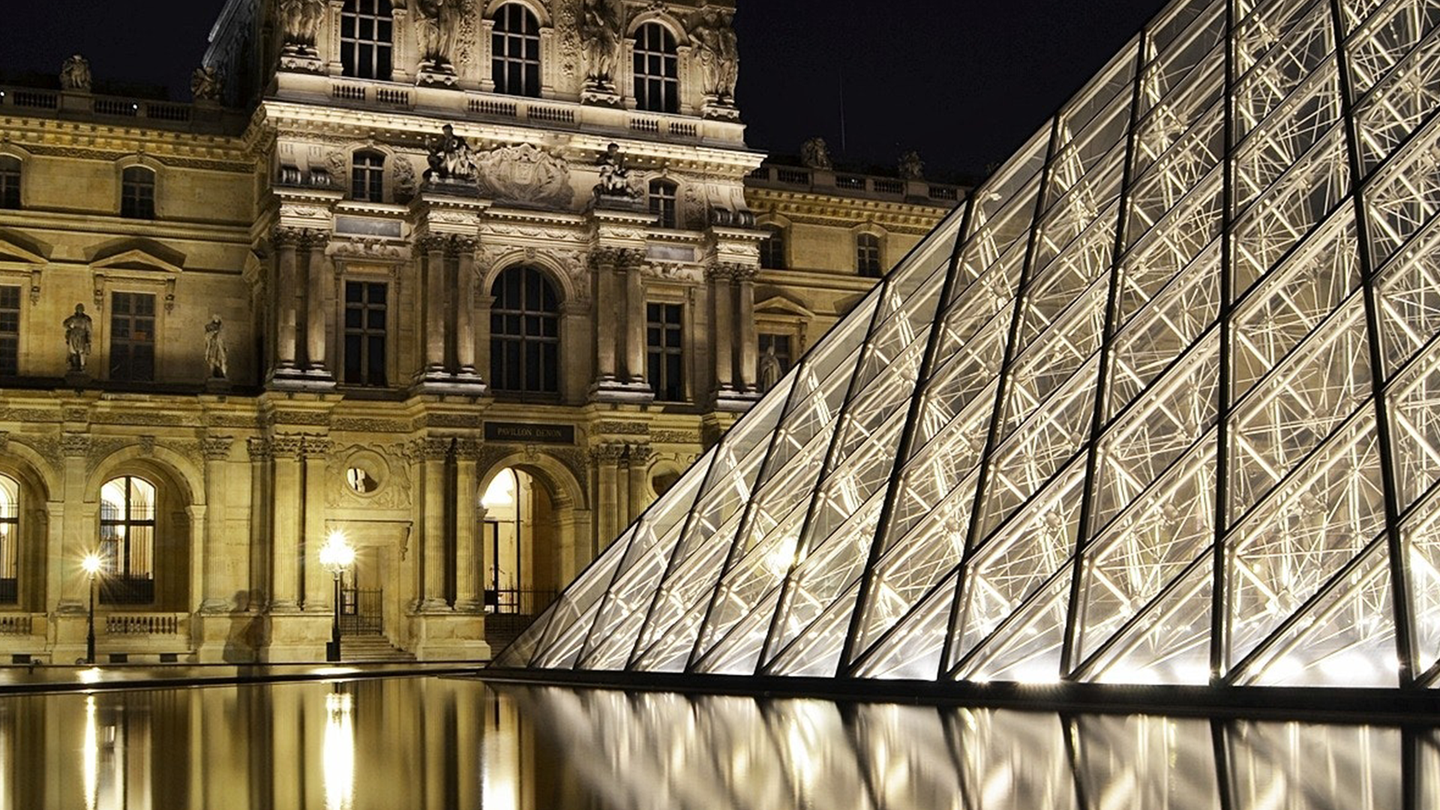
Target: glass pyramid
(1159, 404)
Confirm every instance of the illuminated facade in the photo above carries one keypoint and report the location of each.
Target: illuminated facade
(302, 311)
(1155, 407)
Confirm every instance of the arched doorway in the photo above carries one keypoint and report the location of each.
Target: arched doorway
(519, 539)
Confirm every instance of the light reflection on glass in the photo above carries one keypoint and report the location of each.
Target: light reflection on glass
(339, 752)
(90, 754)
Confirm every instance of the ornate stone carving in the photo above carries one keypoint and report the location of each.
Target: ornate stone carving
(608, 453)
(449, 420)
(287, 445)
(217, 448)
(567, 35)
(316, 447)
(525, 174)
(615, 179)
(450, 159)
(78, 328)
(75, 445)
(639, 454)
(147, 446)
(394, 479)
(375, 248)
(364, 425)
(599, 28)
(432, 448)
(718, 55)
(217, 358)
(623, 428)
(815, 154)
(206, 84)
(403, 183)
(75, 74)
(259, 448)
(300, 23)
(674, 437)
(437, 25)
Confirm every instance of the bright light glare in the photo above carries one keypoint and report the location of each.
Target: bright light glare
(91, 564)
(337, 553)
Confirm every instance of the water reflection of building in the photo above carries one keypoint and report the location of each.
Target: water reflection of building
(283, 329)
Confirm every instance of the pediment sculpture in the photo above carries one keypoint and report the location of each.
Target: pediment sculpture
(525, 174)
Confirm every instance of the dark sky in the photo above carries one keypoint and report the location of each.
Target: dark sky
(963, 82)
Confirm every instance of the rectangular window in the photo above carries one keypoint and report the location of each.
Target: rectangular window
(9, 182)
(9, 331)
(366, 30)
(132, 337)
(137, 193)
(365, 315)
(665, 338)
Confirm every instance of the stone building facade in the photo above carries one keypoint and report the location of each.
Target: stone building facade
(391, 252)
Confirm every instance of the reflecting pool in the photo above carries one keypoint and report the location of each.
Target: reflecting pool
(439, 743)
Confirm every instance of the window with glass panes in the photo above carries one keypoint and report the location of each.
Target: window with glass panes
(366, 33)
(367, 177)
(515, 48)
(9, 540)
(9, 330)
(772, 250)
(867, 255)
(9, 182)
(524, 333)
(663, 203)
(657, 74)
(132, 337)
(365, 331)
(666, 349)
(137, 193)
(127, 541)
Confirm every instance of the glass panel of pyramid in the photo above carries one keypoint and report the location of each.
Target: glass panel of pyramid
(1153, 404)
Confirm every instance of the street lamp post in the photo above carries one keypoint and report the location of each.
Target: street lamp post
(91, 565)
(337, 555)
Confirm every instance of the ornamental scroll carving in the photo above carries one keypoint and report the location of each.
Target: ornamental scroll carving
(525, 174)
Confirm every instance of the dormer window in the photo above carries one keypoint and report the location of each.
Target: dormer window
(515, 43)
(366, 39)
(657, 70)
(367, 177)
(137, 193)
(663, 203)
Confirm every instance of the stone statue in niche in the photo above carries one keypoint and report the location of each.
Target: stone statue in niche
(600, 35)
(437, 23)
(450, 159)
(300, 20)
(216, 357)
(770, 371)
(78, 328)
(75, 74)
(205, 84)
(911, 166)
(614, 175)
(815, 154)
(718, 54)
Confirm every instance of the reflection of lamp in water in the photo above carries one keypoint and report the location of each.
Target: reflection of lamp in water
(91, 754)
(338, 753)
(337, 555)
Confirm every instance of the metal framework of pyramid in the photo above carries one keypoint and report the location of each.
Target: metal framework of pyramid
(1159, 404)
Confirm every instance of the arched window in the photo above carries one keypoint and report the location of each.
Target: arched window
(515, 43)
(9, 182)
(127, 541)
(657, 70)
(867, 255)
(367, 176)
(9, 540)
(366, 37)
(663, 203)
(137, 193)
(524, 333)
(772, 250)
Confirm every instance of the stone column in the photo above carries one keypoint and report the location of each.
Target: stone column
(434, 452)
(465, 307)
(319, 581)
(317, 280)
(467, 529)
(607, 460)
(634, 323)
(285, 240)
(434, 320)
(721, 309)
(603, 262)
(217, 588)
(261, 519)
(639, 480)
(80, 530)
(748, 350)
(285, 531)
(483, 303)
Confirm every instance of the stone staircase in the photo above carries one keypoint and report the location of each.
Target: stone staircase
(371, 648)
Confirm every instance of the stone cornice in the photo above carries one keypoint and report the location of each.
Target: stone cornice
(820, 209)
(92, 141)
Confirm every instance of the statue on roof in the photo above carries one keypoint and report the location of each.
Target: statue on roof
(815, 154)
(911, 166)
(75, 74)
(205, 84)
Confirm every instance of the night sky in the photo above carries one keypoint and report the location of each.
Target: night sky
(962, 82)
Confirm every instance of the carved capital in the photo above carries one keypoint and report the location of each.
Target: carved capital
(434, 243)
(287, 446)
(314, 240)
(617, 259)
(286, 237)
(75, 445)
(609, 453)
(217, 448)
(316, 447)
(432, 448)
(259, 448)
(640, 453)
(721, 272)
(462, 244)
